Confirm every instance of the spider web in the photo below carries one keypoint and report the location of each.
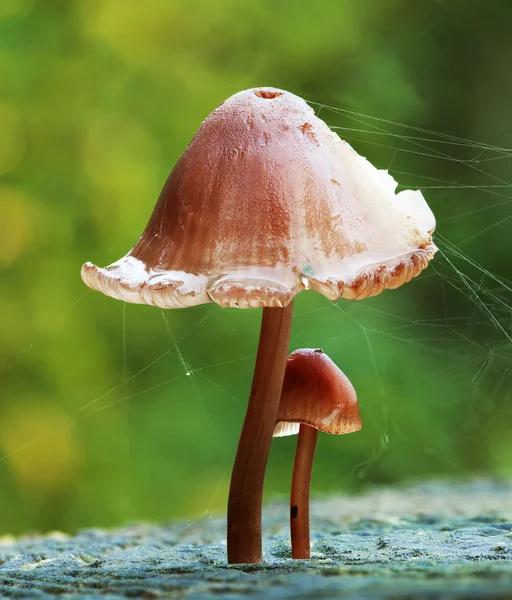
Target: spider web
(431, 361)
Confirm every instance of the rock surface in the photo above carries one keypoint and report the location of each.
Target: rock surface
(432, 540)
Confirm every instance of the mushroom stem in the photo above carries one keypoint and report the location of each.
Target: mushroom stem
(246, 491)
(301, 483)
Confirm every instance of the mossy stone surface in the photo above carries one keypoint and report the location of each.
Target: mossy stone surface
(435, 540)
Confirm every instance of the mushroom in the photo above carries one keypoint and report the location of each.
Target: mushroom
(267, 201)
(316, 396)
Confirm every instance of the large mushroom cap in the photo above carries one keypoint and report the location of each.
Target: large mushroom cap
(267, 201)
(316, 393)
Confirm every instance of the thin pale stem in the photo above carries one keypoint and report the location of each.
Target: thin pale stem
(246, 491)
(299, 499)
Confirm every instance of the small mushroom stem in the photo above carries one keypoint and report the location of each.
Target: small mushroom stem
(299, 499)
(246, 491)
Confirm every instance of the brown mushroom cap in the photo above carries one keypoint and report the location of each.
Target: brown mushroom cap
(267, 201)
(316, 393)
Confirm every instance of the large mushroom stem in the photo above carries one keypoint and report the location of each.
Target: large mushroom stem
(299, 498)
(246, 491)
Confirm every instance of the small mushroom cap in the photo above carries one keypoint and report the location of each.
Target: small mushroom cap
(267, 201)
(318, 394)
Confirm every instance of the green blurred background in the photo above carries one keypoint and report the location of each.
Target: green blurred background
(98, 98)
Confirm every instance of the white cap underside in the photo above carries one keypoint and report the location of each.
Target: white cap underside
(283, 428)
(130, 280)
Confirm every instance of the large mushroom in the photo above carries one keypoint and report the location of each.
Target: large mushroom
(316, 396)
(267, 201)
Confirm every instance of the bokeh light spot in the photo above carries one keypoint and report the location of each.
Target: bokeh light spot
(16, 210)
(38, 460)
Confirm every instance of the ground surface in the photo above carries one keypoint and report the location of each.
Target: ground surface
(427, 541)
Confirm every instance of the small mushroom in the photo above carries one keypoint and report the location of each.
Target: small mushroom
(316, 396)
(267, 201)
